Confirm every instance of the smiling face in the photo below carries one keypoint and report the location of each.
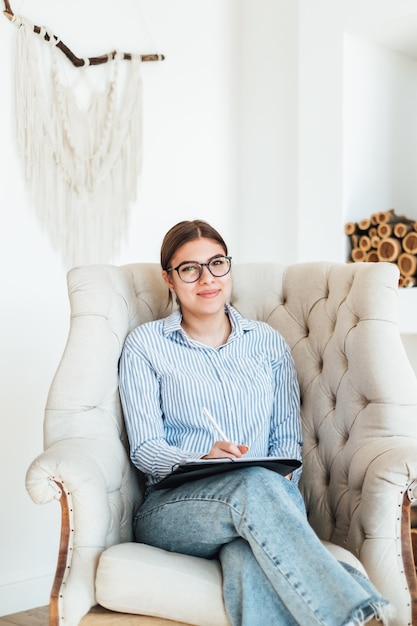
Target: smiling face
(209, 294)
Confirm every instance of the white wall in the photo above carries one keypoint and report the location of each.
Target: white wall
(380, 130)
(32, 334)
(357, 125)
(244, 126)
(323, 197)
(268, 129)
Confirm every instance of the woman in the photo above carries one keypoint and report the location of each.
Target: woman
(253, 520)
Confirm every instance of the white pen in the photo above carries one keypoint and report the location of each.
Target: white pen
(215, 424)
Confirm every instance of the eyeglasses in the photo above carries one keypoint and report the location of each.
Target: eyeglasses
(191, 271)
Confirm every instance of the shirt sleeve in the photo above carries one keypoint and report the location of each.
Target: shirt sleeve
(140, 398)
(286, 433)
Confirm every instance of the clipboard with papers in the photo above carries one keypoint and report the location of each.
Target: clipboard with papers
(193, 470)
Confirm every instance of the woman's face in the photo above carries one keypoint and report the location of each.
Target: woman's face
(209, 294)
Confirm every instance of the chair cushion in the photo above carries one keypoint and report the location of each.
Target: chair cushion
(143, 580)
(341, 554)
(140, 579)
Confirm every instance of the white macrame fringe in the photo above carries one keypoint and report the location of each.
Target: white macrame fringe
(82, 167)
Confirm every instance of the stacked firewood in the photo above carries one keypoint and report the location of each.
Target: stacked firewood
(387, 237)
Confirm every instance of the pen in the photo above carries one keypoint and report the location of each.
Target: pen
(215, 424)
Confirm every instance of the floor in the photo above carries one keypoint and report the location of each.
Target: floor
(32, 617)
(96, 617)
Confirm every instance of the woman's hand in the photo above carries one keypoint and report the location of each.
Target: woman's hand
(226, 450)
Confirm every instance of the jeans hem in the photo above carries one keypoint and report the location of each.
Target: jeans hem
(381, 611)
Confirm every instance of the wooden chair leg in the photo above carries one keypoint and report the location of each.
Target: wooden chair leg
(62, 558)
(409, 552)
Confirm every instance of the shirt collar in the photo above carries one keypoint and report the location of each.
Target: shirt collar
(240, 325)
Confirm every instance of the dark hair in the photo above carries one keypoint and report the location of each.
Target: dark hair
(182, 233)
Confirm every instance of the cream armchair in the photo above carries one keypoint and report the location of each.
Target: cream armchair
(359, 411)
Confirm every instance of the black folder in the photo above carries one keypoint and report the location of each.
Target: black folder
(193, 470)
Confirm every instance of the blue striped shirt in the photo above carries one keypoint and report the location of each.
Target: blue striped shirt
(249, 385)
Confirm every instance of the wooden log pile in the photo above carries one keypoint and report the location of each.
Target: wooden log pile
(387, 237)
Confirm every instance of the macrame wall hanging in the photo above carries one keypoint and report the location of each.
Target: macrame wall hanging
(81, 160)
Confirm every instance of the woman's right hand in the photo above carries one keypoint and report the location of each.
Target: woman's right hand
(226, 450)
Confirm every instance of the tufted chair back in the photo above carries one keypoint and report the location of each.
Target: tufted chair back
(359, 414)
(358, 389)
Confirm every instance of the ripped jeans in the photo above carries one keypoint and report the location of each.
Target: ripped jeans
(275, 569)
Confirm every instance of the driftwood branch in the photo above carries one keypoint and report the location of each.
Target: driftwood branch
(79, 62)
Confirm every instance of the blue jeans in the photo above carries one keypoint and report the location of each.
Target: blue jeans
(275, 569)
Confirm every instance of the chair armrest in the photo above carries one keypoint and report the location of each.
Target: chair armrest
(97, 489)
(380, 528)
(83, 463)
(383, 471)
(98, 476)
